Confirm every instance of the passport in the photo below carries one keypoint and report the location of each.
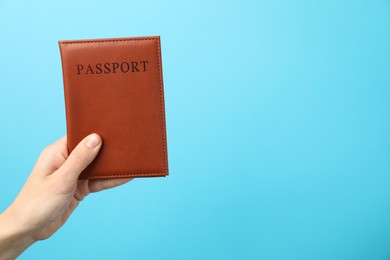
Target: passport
(114, 87)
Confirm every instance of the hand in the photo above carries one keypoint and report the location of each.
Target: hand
(50, 195)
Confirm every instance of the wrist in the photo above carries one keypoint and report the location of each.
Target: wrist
(14, 239)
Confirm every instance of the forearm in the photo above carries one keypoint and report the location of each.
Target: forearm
(13, 239)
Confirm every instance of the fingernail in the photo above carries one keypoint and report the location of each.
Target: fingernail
(92, 141)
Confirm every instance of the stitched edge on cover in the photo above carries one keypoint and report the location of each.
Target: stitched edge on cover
(113, 40)
(162, 174)
(162, 105)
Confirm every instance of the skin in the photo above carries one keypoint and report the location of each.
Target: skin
(50, 195)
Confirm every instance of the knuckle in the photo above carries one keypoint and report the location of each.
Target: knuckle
(78, 158)
(47, 151)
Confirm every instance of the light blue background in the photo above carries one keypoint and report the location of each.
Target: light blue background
(277, 121)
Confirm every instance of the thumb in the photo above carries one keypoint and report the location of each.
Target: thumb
(81, 157)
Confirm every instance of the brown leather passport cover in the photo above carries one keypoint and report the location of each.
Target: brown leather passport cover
(114, 87)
